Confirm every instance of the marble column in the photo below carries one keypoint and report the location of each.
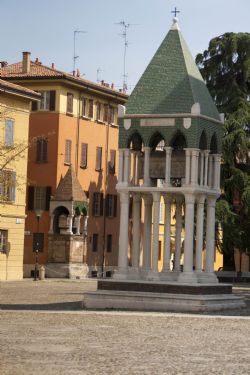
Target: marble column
(78, 224)
(147, 233)
(206, 153)
(188, 166)
(202, 157)
(136, 233)
(178, 229)
(123, 237)
(188, 275)
(153, 274)
(199, 232)
(210, 239)
(210, 170)
(147, 181)
(70, 224)
(134, 167)
(121, 165)
(194, 166)
(168, 166)
(167, 236)
(126, 166)
(217, 163)
(51, 229)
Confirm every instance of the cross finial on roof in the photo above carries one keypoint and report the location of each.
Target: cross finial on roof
(175, 11)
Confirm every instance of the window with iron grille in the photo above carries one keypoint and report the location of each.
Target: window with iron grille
(3, 241)
(95, 242)
(112, 162)
(7, 185)
(109, 243)
(67, 155)
(91, 108)
(38, 242)
(98, 163)
(9, 133)
(84, 155)
(70, 99)
(42, 150)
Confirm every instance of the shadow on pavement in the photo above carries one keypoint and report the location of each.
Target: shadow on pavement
(61, 306)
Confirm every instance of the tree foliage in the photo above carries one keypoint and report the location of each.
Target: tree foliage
(225, 67)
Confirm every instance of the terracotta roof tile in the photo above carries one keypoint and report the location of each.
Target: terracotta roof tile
(14, 87)
(69, 188)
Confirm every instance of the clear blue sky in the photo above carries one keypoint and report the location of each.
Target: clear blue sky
(45, 28)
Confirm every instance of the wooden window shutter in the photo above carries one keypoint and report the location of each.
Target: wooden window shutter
(91, 108)
(98, 165)
(67, 156)
(31, 193)
(115, 206)
(101, 204)
(34, 105)
(12, 187)
(105, 114)
(70, 102)
(52, 104)
(84, 155)
(107, 205)
(48, 194)
(9, 132)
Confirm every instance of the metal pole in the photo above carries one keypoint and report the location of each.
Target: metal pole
(37, 250)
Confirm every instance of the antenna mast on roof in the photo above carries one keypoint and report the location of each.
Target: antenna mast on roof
(75, 57)
(124, 36)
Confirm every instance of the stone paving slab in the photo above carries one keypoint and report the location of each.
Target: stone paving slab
(64, 340)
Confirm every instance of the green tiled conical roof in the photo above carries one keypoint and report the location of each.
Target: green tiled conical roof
(171, 83)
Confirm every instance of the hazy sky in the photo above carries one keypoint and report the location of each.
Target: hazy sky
(45, 28)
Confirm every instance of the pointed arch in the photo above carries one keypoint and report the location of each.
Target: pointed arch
(157, 139)
(178, 141)
(135, 142)
(203, 141)
(214, 144)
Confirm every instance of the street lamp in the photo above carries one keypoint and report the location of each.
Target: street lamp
(39, 213)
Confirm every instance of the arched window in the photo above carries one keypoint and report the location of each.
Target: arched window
(203, 141)
(213, 144)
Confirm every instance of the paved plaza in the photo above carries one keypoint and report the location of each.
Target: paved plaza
(43, 330)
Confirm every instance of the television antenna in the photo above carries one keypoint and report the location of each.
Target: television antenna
(124, 35)
(75, 57)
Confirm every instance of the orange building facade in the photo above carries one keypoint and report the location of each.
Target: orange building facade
(74, 124)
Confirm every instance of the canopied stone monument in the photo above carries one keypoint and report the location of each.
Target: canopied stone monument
(68, 230)
(169, 148)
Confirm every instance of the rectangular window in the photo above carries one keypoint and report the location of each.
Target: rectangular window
(109, 243)
(98, 111)
(159, 251)
(3, 241)
(98, 163)
(67, 155)
(42, 150)
(84, 155)
(9, 133)
(7, 186)
(47, 102)
(38, 242)
(95, 242)
(111, 205)
(97, 208)
(38, 197)
(70, 99)
(84, 107)
(112, 162)
(91, 108)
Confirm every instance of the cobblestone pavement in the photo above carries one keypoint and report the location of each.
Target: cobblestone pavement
(74, 342)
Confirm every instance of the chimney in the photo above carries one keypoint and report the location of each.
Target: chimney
(53, 66)
(26, 62)
(112, 86)
(78, 72)
(3, 64)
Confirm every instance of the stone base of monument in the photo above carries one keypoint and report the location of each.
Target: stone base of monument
(159, 296)
(69, 271)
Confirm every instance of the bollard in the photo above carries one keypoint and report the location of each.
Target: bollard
(42, 273)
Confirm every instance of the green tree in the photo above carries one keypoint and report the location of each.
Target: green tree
(225, 67)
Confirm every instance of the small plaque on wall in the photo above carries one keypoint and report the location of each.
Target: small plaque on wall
(158, 122)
